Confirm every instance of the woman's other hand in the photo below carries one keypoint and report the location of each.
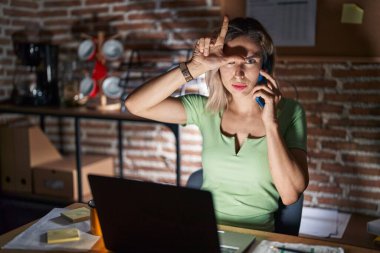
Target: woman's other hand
(271, 94)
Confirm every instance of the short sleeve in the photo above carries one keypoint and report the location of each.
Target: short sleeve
(195, 107)
(295, 135)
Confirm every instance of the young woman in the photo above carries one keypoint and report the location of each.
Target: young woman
(252, 154)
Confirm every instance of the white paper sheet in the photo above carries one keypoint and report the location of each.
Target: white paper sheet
(319, 222)
(343, 219)
(34, 238)
(289, 22)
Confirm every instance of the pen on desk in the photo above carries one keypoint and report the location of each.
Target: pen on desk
(283, 249)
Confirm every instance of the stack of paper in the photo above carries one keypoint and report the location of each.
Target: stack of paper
(77, 215)
(53, 232)
(323, 223)
(63, 235)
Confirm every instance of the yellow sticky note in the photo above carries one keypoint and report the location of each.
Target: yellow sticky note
(352, 14)
(76, 215)
(63, 235)
(377, 240)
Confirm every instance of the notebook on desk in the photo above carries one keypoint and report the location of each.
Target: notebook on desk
(140, 216)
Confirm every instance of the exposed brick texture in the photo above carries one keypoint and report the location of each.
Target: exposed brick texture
(341, 97)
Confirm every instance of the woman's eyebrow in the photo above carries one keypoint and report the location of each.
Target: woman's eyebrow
(254, 55)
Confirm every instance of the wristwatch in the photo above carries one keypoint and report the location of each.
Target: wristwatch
(185, 72)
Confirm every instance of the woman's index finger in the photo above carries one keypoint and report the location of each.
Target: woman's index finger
(223, 32)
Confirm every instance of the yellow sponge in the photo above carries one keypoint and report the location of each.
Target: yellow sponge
(76, 215)
(63, 235)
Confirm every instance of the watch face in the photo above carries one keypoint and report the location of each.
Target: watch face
(87, 50)
(111, 87)
(112, 49)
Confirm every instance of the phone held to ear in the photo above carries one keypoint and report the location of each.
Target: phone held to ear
(261, 80)
(260, 100)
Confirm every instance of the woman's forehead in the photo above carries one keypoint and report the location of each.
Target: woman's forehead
(242, 46)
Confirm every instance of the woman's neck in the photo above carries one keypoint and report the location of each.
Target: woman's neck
(243, 106)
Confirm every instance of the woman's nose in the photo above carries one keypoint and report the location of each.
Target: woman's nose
(239, 71)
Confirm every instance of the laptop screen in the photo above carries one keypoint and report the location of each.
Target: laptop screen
(140, 216)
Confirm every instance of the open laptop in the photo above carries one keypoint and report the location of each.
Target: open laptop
(140, 216)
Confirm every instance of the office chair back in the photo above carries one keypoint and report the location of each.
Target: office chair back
(287, 218)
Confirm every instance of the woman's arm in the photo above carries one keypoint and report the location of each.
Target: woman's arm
(288, 167)
(152, 100)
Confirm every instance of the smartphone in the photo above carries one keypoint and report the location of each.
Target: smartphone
(267, 67)
(261, 80)
(260, 101)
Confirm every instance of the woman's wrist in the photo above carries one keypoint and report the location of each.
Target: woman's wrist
(195, 69)
(271, 127)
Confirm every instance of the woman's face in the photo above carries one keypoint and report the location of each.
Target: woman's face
(239, 77)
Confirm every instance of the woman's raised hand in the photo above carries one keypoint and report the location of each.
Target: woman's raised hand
(208, 52)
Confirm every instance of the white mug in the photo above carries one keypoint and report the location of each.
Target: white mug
(87, 50)
(88, 87)
(112, 49)
(111, 87)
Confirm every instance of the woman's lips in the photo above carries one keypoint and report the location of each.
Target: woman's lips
(239, 86)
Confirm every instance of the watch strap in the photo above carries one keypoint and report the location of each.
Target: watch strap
(185, 72)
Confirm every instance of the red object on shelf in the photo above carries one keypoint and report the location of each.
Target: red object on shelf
(99, 72)
(95, 89)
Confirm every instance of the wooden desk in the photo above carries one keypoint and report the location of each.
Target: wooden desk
(260, 235)
(78, 113)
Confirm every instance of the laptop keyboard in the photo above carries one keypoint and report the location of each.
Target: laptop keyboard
(227, 249)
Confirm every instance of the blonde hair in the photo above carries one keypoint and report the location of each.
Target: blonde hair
(217, 100)
(218, 95)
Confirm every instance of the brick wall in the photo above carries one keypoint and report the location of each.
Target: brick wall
(340, 95)
(342, 100)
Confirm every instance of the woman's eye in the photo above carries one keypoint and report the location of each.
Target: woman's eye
(250, 61)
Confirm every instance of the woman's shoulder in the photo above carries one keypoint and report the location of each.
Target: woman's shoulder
(196, 99)
(290, 104)
(195, 106)
(289, 109)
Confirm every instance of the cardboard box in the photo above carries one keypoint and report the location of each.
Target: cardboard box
(59, 178)
(20, 149)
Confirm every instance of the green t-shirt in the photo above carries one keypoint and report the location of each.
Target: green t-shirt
(241, 184)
